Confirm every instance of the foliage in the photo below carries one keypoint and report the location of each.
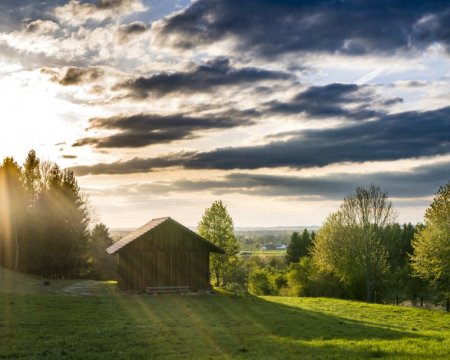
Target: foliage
(431, 258)
(306, 279)
(103, 266)
(350, 245)
(217, 226)
(12, 214)
(44, 219)
(267, 276)
(259, 283)
(298, 246)
(299, 277)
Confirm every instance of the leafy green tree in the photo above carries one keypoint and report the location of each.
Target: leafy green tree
(431, 258)
(350, 244)
(102, 265)
(217, 226)
(298, 246)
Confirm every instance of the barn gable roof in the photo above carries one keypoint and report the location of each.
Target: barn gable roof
(150, 226)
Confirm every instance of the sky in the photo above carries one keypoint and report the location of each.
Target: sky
(278, 108)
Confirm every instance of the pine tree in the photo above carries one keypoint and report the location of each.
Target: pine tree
(62, 227)
(298, 246)
(102, 264)
(31, 176)
(12, 214)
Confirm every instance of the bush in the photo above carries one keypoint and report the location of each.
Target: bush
(305, 279)
(259, 283)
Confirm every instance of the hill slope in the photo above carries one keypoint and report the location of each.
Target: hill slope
(59, 326)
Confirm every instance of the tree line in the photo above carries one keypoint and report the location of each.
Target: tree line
(45, 219)
(360, 252)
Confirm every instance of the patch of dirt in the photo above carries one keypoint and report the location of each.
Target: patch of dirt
(89, 288)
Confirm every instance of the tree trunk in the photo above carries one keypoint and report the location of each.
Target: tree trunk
(369, 289)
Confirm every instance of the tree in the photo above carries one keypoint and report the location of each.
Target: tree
(102, 264)
(32, 176)
(44, 219)
(431, 257)
(350, 242)
(60, 243)
(217, 226)
(298, 246)
(12, 213)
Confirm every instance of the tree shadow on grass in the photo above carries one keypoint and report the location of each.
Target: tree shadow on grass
(193, 327)
(300, 324)
(293, 330)
(251, 327)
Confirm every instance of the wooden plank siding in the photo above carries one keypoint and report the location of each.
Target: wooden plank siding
(168, 255)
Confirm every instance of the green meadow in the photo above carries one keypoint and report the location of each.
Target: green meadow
(91, 320)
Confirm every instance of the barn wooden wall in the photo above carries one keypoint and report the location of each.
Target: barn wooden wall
(167, 256)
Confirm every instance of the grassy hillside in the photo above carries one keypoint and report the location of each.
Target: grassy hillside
(65, 323)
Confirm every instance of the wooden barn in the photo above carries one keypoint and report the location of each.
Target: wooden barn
(163, 255)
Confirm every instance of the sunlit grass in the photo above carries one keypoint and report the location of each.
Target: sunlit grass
(109, 325)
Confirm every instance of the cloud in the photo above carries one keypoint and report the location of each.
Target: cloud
(141, 130)
(131, 30)
(77, 75)
(77, 13)
(433, 28)
(271, 28)
(13, 12)
(331, 101)
(410, 83)
(41, 27)
(135, 165)
(398, 136)
(202, 78)
(420, 182)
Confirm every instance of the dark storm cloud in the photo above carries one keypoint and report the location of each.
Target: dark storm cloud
(272, 27)
(392, 137)
(202, 78)
(329, 101)
(148, 129)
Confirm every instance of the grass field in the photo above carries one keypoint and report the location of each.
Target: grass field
(91, 320)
